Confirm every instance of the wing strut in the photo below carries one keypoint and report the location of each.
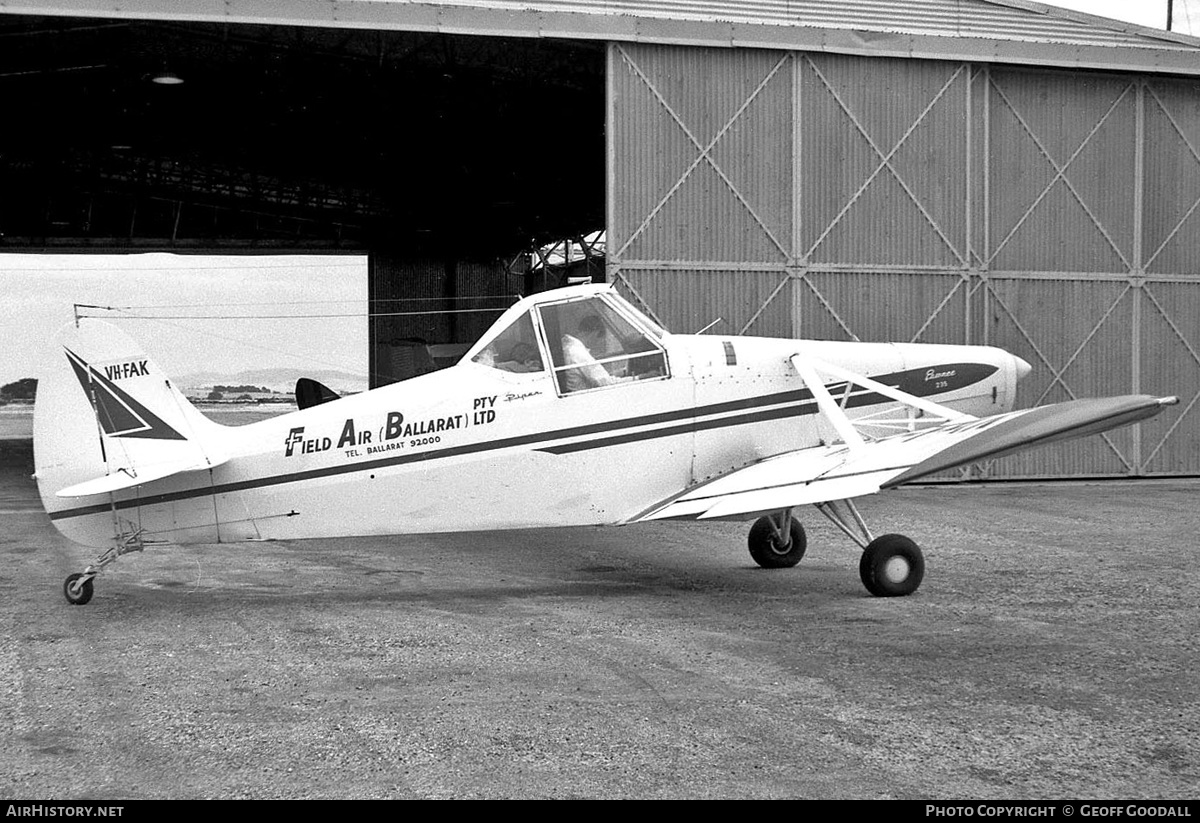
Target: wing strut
(825, 402)
(810, 368)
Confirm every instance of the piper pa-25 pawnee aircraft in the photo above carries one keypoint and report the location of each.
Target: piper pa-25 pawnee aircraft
(573, 409)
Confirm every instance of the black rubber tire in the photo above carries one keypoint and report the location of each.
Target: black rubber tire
(892, 566)
(765, 549)
(84, 593)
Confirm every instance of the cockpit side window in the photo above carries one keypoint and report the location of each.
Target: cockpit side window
(593, 345)
(515, 349)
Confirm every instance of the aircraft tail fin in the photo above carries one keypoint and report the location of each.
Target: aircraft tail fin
(107, 418)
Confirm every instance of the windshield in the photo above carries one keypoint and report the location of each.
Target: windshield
(592, 345)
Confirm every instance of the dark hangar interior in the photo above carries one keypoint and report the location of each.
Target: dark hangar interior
(288, 139)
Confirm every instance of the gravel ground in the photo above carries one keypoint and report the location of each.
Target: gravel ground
(1051, 653)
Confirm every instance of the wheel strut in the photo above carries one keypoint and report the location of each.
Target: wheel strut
(855, 528)
(781, 528)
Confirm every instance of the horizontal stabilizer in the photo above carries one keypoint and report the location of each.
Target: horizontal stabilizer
(837, 472)
(126, 479)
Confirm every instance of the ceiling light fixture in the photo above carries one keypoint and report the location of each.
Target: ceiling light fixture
(166, 78)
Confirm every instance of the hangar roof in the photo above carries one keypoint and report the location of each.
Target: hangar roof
(315, 124)
(1005, 31)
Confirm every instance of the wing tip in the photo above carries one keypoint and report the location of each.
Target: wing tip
(1040, 426)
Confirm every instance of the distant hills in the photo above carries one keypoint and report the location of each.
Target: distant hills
(280, 379)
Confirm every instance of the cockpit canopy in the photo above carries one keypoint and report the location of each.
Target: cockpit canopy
(589, 341)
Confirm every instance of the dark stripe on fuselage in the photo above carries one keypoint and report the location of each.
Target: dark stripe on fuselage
(792, 403)
(695, 426)
(471, 448)
(905, 381)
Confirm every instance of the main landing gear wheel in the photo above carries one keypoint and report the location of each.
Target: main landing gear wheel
(78, 589)
(892, 566)
(776, 547)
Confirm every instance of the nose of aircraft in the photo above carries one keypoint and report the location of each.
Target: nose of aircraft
(1023, 367)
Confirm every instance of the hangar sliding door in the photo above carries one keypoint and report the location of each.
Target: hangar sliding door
(792, 194)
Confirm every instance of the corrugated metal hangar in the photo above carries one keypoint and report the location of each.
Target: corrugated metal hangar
(981, 171)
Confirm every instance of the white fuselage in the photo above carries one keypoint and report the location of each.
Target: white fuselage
(476, 448)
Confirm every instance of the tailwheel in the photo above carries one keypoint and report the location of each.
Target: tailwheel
(892, 566)
(777, 541)
(78, 588)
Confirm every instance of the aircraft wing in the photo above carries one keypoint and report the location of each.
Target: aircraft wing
(851, 469)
